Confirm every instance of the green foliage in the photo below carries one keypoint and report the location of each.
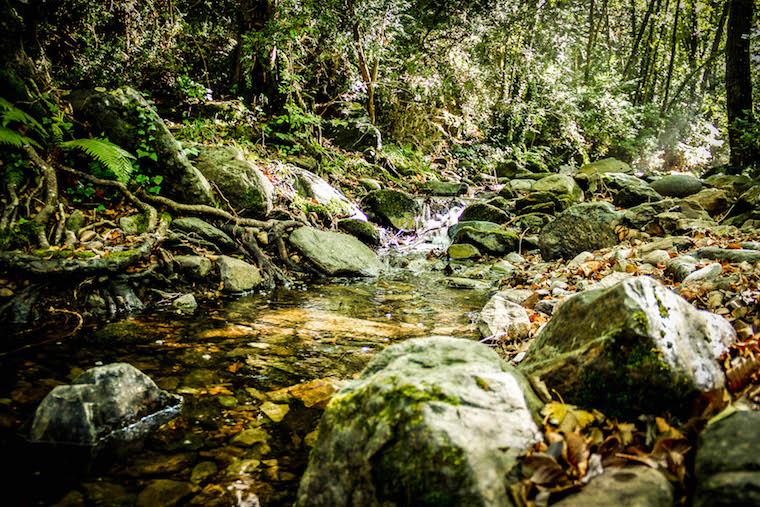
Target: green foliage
(114, 158)
(12, 138)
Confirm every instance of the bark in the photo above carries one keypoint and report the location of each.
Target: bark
(738, 78)
(671, 61)
(707, 77)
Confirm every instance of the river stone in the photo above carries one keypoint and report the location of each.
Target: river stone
(134, 224)
(636, 486)
(164, 492)
(636, 347)
(445, 188)
(733, 185)
(713, 200)
(733, 256)
(462, 251)
(682, 266)
(336, 254)
(430, 421)
(117, 115)
(543, 202)
(313, 187)
(186, 303)
(727, 465)
(203, 229)
(677, 185)
(100, 401)
(629, 190)
(75, 221)
(503, 320)
(392, 208)
(641, 216)
(366, 232)
(559, 184)
(239, 180)
(483, 212)
(194, 265)
(656, 257)
(487, 237)
(600, 167)
(585, 226)
(708, 272)
(237, 275)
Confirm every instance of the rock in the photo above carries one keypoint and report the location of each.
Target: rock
(482, 212)
(706, 273)
(487, 237)
(203, 471)
(713, 200)
(733, 185)
(462, 251)
(728, 255)
(120, 116)
(633, 348)
(656, 257)
(559, 184)
(204, 230)
(370, 184)
(186, 303)
(239, 180)
(543, 202)
(629, 190)
(727, 465)
(336, 254)
(435, 421)
(680, 267)
(503, 320)
(637, 486)
(445, 188)
(521, 185)
(595, 170)
(106, 493)
(275, 411)
(456, 282)
(749, 200)
(100, 402)
(313, 187)
(677, 185)
(580, 259)
(75, 221)
(671, 244)
(134, 224)
(585, 226)
(250, 437)
(237, 275)
(392, 208)
(501, 203)
(641, 216)
(366, 232)
(164, 492)
(195, 265)
(532, 221)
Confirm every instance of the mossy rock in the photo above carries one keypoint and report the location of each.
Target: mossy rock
(487, 237)
(483, 212)
(361, 229)
(600, 167)
(392, 208)
(582, 227)
(462, 251)
(445, 188)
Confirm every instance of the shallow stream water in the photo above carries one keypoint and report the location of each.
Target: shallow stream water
(265, 362)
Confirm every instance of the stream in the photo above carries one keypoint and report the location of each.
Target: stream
(262, 362)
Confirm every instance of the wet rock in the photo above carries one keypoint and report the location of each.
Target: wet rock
(595, 170)
(275, 411)
(629, 190)
(445, 188)
(72, 499)
(186, 303)
(706, 273)
(120, 115)
(482, 212)
(98, 403)
(487, 237)
(250, 437)
(633, 348)
(336, 254)
(728, 255)
(439, 421)
(164, 492)
(682, 266)
(203, 471)
(237, 275)
(107, 494)
(727, 465)
(462, 251)
(585, 226)
(559, 184)
(677, 185)
(502, 320)
(712, 200)
(313, 187)
(456, 282)
(204, 230)
(364, 231)
(392, 208)
(240, 181)
(637, 486)
(196, 266)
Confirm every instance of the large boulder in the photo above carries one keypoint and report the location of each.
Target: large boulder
(392, 208)
(595, 170)
(100, 402)
(433, 421)
(238, 275)
(629, 190)
(631, 348)
(484, 212)
(239, 180)
(582, 227)
(727, 466)
(559, 184)
(677, 185)
(313, 187)
(336, 254)
(204, 230)
(487, 237)
(127, 119)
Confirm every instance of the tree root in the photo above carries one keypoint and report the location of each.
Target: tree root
(50, 179)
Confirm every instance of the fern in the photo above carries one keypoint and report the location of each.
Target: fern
(10, 137)
(113, 157)
(10, 113)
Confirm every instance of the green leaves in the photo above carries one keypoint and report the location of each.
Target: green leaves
(10, 137)
(114, 158)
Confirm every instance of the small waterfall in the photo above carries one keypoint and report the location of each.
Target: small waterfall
(431, 228)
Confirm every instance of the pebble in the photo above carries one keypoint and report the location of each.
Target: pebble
(656, 257)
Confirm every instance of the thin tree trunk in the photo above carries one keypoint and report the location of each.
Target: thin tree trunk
(673, 39)
(590, 42)
(637, 40)
(707, 78)
(738, 79)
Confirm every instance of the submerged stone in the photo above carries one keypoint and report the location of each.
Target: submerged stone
(336, 254)
(436, 421)
(631, 348)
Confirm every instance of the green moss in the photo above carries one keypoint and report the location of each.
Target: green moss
(121, 254)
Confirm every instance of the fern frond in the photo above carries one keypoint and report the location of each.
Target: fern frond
(113, 157)
(10, 113)
(10, 137)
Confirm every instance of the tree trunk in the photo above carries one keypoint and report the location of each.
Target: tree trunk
(673, 40)
(707, 77)
(738, 78)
